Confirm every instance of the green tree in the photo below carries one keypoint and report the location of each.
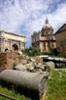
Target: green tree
(31, 51)
(55, 52)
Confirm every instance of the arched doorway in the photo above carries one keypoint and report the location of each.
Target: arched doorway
(6, 49)
(15, 47)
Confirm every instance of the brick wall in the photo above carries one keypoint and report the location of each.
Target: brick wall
(8, 60)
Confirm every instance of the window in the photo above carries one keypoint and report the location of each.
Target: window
(62, 43)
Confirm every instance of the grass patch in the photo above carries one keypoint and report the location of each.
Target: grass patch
(57, 86)
(12, 93)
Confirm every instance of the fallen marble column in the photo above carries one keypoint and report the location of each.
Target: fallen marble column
(36, 82)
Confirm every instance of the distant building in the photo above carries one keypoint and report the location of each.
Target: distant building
(61, 39)
(11, 41)
(44, 39)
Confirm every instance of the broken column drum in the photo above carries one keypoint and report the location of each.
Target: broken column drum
(32, 81)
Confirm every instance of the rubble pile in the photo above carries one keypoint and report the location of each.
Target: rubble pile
(19, 61)
(31, 64)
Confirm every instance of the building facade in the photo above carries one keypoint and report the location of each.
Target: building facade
(44, 39)
(61, 39)
(11, 41)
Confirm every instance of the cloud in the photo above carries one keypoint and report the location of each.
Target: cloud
(16, 12)
(10, 16)
(56, 19)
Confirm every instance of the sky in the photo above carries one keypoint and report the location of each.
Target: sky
(26, 16)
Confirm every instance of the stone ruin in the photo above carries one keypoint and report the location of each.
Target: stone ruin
(28, 73)
(19, 61)
(33, 64)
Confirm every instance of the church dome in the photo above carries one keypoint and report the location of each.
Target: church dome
(47, 25)
(47, 28)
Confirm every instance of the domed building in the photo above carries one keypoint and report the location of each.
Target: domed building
(47, 29)
(44, 39)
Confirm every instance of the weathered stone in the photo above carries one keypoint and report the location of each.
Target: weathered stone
(32, 81)
(11, 59)
(50, 65)
(37, 59)
(8, 60)
(21, 67)
(30, 66)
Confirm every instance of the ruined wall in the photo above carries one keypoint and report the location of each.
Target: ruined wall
(8, 60)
